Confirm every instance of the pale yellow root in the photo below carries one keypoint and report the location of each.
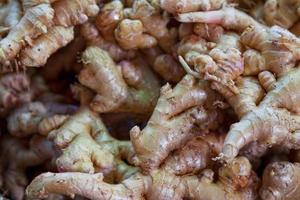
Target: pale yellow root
(35, 22)
(44, 46)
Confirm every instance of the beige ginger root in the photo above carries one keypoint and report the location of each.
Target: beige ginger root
(18, 155)
(228, 17)
(127, 87)
(195, 155)
(283, 13)
(275, 121)
(158, 185)
(87, 147)
(31, 3)
(108, 19)
(279, 50)
(93, 38)
(169, 127)
(222, 65)
(71, 13)
(24, 121)
(183, 6)
(35, 22)
(280, 181)
(40, 50)
(130, 35)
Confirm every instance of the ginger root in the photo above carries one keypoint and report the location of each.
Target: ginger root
(280, 181)
(275, 121)
(127, 87)
(35, 22)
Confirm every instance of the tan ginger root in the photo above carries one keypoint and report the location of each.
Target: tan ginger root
(168, 68)
(250, 94)
(127, 87)
(18, 155)
(280, 181)
(183, 6)
(275, 121)
(154, 23)
(24, 121)
(40, 50)
(222, 65)
(108, 19)
(195, 155)
(228, 17)
(236, 182)
(87, 147)
(278, 47)
(93, 38)
(31, 3)
(283, 13)
(71, 13)
(130, 35)
(35, 22)
(176, 113)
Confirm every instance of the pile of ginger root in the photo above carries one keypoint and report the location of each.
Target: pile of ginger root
(150, 99)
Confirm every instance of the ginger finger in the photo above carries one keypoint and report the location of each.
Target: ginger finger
(115, 94)
(71, 13)
(196, 155)
(280, 181)
(228, 17)
(31, 3)
(169, 126)
(38, 53)
(274, 122)
(278, 47)
(14, 14)
(108, 19)
(130, 35)
(183, 6)
(267, 80)
(93, 38)
(35, 22)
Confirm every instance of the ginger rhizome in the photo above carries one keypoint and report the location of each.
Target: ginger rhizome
(158, 185)
(35, 22)
(275, 121)
(129, 86)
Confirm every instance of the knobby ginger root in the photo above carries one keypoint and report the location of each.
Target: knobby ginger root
(280, 181)
(88, 147)
(35, 22)
(127, 87)
(130, 35)
(24, 121)
(93, 38)
(71, 13)
(275, 121)
(228, 17)
(222, 65)
(108, 19)
(278, 47)
(17, 156)
(40, 50)
(183, 6)
(170, 125)
(31, 3)
(154, 23)
(283, 13)
(196, 155)
(168, 68)
(159, 184)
